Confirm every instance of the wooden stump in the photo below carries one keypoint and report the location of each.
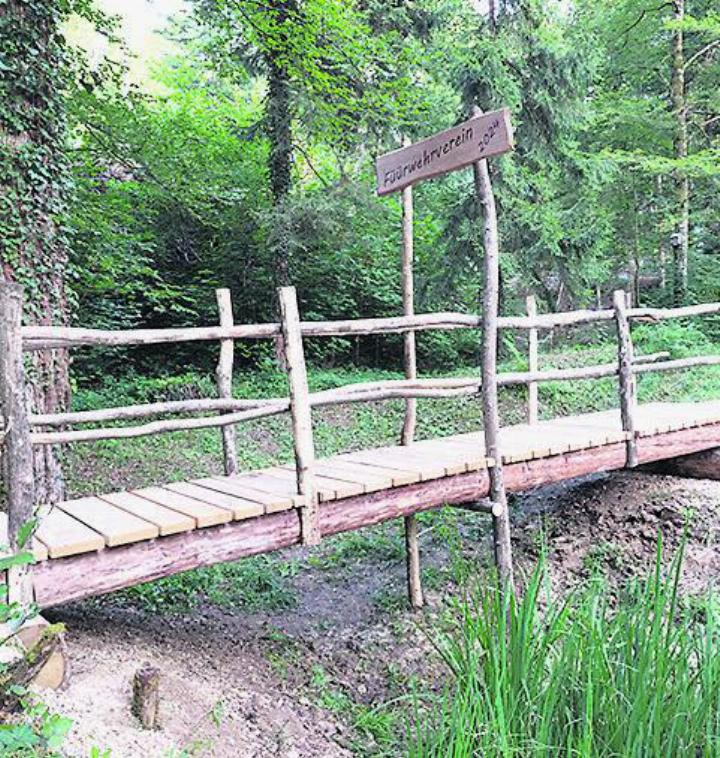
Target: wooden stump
(46, 641)
(36, 655)
(146, 696)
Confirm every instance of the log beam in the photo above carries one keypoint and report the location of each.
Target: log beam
(412, 542)
(491, 414)
(627, 383)
(301, 413)
(533, 363)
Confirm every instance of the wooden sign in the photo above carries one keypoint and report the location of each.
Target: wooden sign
(479, 137)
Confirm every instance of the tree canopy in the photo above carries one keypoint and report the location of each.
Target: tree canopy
(247, 159)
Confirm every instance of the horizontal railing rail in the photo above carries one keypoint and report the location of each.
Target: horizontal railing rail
(246, 410)
(52, 337)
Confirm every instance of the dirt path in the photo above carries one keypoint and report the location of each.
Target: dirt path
(308, 681)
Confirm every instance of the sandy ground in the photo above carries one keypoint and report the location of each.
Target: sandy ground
(240, 685)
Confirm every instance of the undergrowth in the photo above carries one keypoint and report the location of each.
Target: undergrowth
(259, 583)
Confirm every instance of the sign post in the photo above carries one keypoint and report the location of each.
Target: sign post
(467, 144)
(480, 137)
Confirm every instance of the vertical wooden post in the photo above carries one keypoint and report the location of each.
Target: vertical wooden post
(224, 376)
(412, 546)
(301, 414)
(491, 415)
(408, 299)
(18, 471)
(626, 379)
(532, 411)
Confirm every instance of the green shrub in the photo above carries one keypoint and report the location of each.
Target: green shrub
(633, 676)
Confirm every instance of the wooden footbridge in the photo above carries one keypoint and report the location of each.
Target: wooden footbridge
(94, 545)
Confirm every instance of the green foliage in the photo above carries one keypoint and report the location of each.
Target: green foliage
(39, 733)
(255, 584)
(348, 77)
(592, 675)
(30, 729)
(174, 188)
(33, 165)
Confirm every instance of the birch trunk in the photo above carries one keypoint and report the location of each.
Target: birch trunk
(679, 239)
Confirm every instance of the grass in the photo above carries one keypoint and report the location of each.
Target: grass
(592, 675)
(259, 583)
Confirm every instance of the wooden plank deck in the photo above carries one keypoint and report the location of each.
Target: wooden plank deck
(105, 522)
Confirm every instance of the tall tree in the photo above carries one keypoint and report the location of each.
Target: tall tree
(330, 76)
(654, 96)
(33, 190)
(679, 239)
(528, 58)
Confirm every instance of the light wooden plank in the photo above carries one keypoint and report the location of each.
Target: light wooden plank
(652, 420)
(435, 463)
(597, 434)
(118, 527)
(469, 451)
(167, 520)
(240, 507)
(328, 487)
(203, 513)
(234, 486)
(675, 416)
(399, 460)
(372, 479)
(38, 549)
(528, 443)
(401, 474)
(64, 535)
(270, 485)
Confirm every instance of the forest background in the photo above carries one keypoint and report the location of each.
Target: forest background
(238, 152)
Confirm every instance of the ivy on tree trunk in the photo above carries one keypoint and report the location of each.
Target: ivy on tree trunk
(34, 185)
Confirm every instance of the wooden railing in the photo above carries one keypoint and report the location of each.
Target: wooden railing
(24, 430)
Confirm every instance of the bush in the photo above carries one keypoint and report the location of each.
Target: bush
(637, 676)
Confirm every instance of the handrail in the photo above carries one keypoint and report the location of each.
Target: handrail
(234, 411)
(22, 430)
(53, 337)
(253, 409)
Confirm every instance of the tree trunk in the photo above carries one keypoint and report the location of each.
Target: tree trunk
(279, 123)
(679, 239)
(492, 14)
(33, 186)
(662, 250)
